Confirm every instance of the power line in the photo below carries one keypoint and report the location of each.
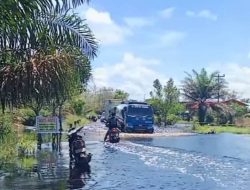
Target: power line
(218, 76)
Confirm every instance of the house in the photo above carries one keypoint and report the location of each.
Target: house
(194, 105)
(234, 101)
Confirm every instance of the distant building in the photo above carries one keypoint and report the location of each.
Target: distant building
(194, 105)
(234, 101)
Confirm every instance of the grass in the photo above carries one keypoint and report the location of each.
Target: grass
(70, 119)
(222, 129)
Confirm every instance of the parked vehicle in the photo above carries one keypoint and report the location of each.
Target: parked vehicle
(77, 148)
(93, 118)
(135, 116)
(102, 118)
(109, 107)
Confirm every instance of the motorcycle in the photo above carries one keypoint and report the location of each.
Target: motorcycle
(77, 148)
(114, 135)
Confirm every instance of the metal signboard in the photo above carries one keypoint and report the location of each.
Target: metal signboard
(47, 124)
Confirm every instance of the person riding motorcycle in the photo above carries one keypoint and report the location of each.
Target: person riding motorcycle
(111, 123)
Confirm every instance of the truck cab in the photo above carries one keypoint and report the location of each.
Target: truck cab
(135, 117)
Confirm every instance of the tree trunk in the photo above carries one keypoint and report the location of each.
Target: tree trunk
(36, 111)
(60, 117)
(202, 110)
(53, 109)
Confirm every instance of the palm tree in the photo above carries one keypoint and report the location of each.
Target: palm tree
(199, 88)
(30, 26)
(42, 45)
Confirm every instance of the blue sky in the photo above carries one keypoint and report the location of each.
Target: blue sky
(142, 40)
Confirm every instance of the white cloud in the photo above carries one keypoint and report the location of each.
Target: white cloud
(236, 75)
(167, 13)
(133, 74)
(172, 38)
(203, 14)
(138, 22)
(104, 28)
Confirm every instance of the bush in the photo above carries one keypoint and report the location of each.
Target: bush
(209, 118)
(78, 105)
(27, 143)
(6, 123)
(70, 119)
(28, 115)
(172, 119)
(45, 112)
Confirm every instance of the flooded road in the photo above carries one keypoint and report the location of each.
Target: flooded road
(187, 162)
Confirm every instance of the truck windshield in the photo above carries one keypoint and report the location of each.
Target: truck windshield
(140, 110)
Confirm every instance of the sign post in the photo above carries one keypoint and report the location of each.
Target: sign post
(47, 124)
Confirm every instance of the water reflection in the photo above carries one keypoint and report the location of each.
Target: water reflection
(49, 167)
(78, 176)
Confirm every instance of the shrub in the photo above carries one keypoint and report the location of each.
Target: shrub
(209, 118)
(28, 116)
(27, 143)
(172, 119)
(78, 105)
(70, 119)
(6, 123)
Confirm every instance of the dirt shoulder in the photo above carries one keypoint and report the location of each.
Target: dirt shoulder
(97, 131)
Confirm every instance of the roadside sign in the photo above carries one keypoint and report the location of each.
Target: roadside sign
(47, 124)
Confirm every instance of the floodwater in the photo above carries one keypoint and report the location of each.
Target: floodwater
(187, 162)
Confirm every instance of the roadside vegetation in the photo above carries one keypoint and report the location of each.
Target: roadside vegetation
(205, 129)
(165, 103)
(45, 64)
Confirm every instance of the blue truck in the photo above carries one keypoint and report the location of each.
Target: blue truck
(135, 116)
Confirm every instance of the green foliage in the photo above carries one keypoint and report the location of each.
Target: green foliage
(222, 129)
(27, 143)
(209, 118)
(27, 162)
(95, 98)
(27, 115)
(77, 104)
(172, 119)
(165, 102)
(45, 112)
(201, 86)
(70, 119)
(6, 124)
(44, 52)
(8, 153)
(42, 24)
(239, 110)
(120, 94)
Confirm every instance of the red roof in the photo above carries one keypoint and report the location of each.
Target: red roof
(194, 105)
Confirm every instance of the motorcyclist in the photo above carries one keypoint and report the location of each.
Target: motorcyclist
(111, 123)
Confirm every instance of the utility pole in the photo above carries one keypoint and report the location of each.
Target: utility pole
(218, 76)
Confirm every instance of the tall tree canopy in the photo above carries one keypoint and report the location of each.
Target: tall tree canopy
(165, 101)
(30, 26)
(44, 51)
(200, 87)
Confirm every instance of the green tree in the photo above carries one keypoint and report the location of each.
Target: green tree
(44, 52)
(171, 102)
(239, 110)
(30, 26)
(165, 101)
(120, 94)
(200, 87)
